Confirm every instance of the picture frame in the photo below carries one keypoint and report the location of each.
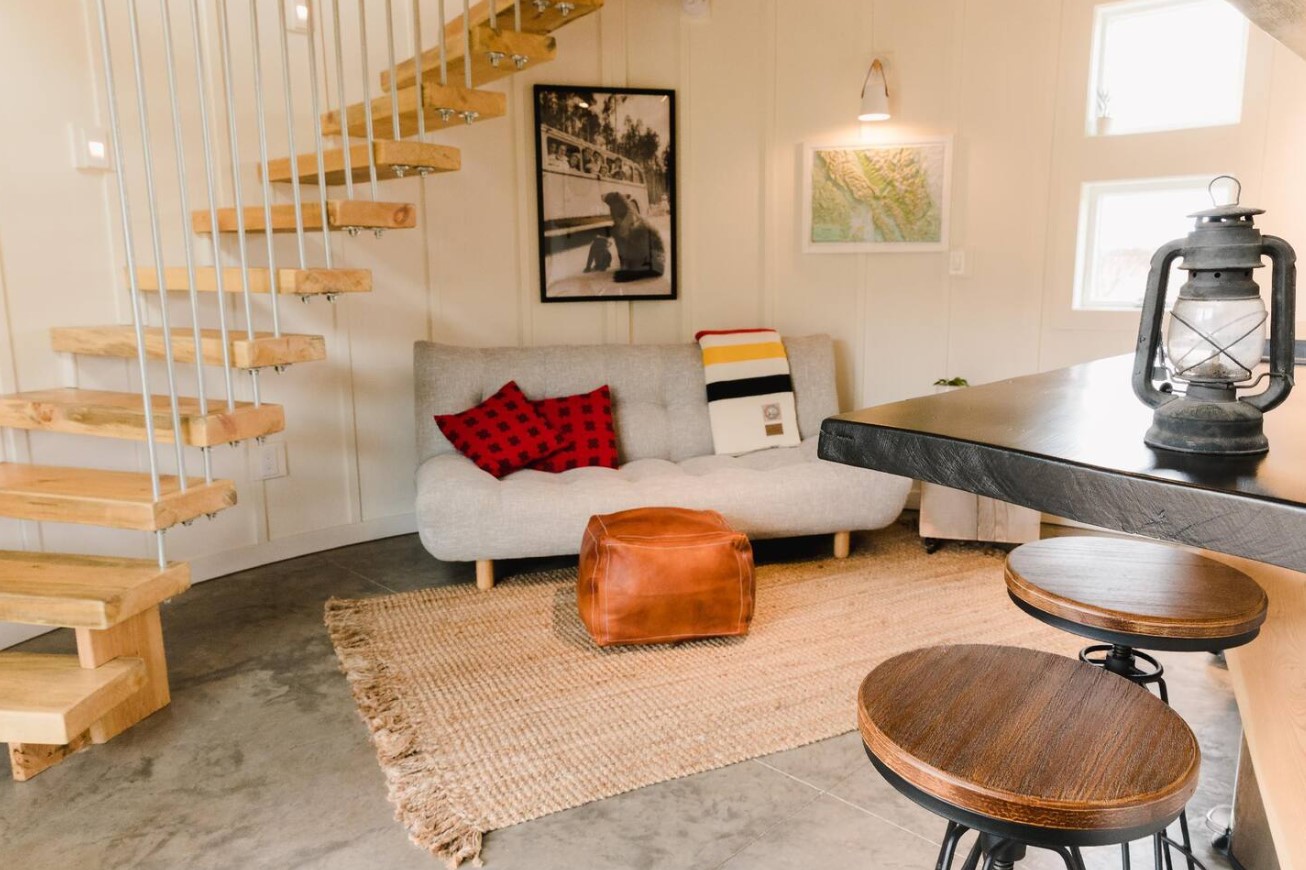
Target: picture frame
(844, 183)
(605, 185)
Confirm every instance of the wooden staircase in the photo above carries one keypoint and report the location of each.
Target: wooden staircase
(51, 706)
(54, 705)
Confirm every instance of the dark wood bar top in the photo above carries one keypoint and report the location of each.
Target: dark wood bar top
(1070, 443)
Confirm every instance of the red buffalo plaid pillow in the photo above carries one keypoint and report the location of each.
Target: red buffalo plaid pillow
(585, 424)
(503, 433)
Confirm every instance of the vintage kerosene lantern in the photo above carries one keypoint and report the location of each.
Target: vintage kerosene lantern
(1216, 335)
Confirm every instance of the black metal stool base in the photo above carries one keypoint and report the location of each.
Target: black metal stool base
(1124, 660)
(997, 853)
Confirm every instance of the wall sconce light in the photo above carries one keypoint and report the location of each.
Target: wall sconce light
(875, 95)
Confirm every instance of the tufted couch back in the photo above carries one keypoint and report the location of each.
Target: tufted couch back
(658, 395)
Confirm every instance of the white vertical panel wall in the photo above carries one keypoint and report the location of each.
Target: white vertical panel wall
(754, 83)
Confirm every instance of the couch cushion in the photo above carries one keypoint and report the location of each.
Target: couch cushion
(465, 514)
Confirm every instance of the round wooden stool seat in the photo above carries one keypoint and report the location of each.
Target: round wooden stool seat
(1136, 593)
(1013, 742)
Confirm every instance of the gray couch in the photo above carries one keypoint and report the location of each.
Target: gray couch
(665, 446)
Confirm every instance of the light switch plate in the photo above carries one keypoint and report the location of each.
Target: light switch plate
(957, 262)
(91, 149)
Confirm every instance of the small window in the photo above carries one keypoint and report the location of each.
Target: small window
(1166, 65)
(1121, 224)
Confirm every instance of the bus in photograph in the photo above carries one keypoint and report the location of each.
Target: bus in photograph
(576, 175)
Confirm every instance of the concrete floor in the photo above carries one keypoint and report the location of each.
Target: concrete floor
(261, 760)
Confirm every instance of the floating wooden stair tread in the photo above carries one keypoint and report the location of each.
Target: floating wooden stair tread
(122, 415)
(261, 351)
(341, 214)
(495, 54)
(297, 282)
(393, 160)
(116, 499)
(555, 14)
(73, 591)
(444, 106)
(51, 699)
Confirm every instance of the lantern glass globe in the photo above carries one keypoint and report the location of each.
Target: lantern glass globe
(1216, 341)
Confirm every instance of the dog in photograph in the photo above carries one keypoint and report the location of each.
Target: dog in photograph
(639, 244)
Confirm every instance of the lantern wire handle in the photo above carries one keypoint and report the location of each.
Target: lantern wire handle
(1237, 196)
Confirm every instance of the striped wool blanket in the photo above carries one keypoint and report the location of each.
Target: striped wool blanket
(750, 395)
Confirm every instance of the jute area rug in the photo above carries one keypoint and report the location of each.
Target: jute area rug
(492, 708)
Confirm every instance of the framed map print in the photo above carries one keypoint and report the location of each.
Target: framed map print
(889, 198)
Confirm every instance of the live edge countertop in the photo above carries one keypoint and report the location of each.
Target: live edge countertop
(1070, 443)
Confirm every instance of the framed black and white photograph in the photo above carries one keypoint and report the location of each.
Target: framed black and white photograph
(606, 190)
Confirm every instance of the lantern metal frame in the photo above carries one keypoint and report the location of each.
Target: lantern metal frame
(1208, 416)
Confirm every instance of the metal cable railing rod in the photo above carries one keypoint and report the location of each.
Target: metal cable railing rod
(394, 79)
(156, 236)
(129, 253)
(467, 47)
(288, 97)
(367, 101)
(210, 163)
(417, 59)
(182, 179)
(444, 55)
(317, 132)
(340, 96)
(274, 289)
(224, 47)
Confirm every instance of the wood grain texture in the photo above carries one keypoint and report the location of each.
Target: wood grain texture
(26, 760)
(1269, 682)
(261, 351)
(454, 98)
(1070, 443)
(298, 282)
(116, 499)
(536, 48)
(1136, 587)
(74, 591)
(122, 415)
(138, 638)
(389, 156)
(341, 214)
(1285, 20)
(52, 699)
(1028, 737)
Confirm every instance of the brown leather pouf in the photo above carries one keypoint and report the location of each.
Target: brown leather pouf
(661, 575)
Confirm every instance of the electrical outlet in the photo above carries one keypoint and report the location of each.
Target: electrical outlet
(268, 460)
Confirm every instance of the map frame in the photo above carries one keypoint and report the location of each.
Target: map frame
(810, 151)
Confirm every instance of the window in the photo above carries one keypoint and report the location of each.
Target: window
(1166, 65)
(1121, 224)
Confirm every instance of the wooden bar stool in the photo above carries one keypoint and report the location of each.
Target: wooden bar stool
(1131, 594)
(1010, 742)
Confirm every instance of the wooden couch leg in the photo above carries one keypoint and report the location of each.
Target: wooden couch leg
(842, 544)
(484, 573)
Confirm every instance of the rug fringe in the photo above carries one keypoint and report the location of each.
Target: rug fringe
(421, 805)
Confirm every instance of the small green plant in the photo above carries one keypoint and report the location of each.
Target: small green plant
(952, 382)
